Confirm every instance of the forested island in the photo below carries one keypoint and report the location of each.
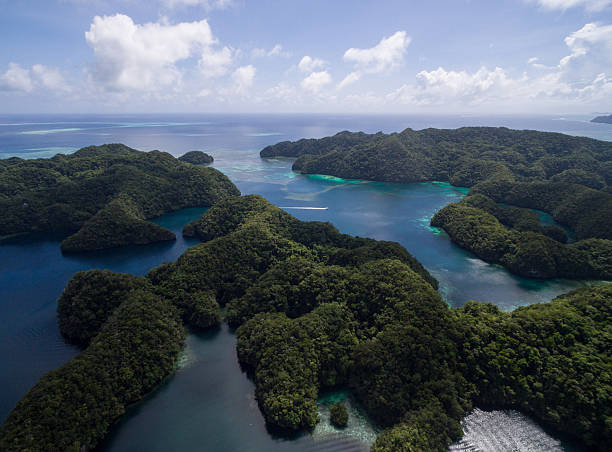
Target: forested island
(197, 158)
(317, 309)
(514, 238)
(103, 195)
(567, 177)
(603, 119)
(462, 157)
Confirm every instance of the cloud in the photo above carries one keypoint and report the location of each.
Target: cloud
(277, 50)
(144, 57)
(366, 100)
(441, 86)
(495, 89)
(309, 64)
(49, 78)
(215, 63)
(351, 78)
(207, 4)
(589, 5)
(282, 91)
(590, 35)
(243, 78)
(384, 56)
(534, 63)
(590, 54)
(316, 81)
(388, 53)
(17, 78)
(582, 77)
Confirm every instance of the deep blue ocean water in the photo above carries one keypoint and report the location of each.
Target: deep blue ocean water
(209, 403)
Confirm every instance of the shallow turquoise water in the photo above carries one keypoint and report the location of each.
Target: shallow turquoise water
(547, 220)
(208, 404)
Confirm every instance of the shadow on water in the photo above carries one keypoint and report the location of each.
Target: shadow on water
(33, 273)
(209, 404)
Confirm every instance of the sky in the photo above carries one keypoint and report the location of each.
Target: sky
(306, 56)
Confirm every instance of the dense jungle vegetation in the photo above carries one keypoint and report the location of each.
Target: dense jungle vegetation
(568, 177)
(338, 415)
(317, 309)
(586, 211)
(197, 158)
(72, 408)
(514, 238)
(103, 195)
(463, 157)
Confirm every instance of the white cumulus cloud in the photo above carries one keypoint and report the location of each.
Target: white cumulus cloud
(49, 78)
(583, 77)
(18, 78)
(215, 63)
(589, 5)
(349, 79)
(277, 50)
(590, 55)
(316, 81)
(282, 91)
(143, 57)
(388, 53)
(441, 86)
(309, 64)
(243, 78)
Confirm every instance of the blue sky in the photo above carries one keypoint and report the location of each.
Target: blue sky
(458, 56)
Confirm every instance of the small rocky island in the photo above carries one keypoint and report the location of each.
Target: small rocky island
(338, 415)
(603, 119)
(103, 195)
(196, 158)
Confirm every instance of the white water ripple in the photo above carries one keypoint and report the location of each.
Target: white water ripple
(503, 431)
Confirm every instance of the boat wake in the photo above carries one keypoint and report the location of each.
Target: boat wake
(503, 431)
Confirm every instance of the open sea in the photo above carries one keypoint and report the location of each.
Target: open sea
(209, 403)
